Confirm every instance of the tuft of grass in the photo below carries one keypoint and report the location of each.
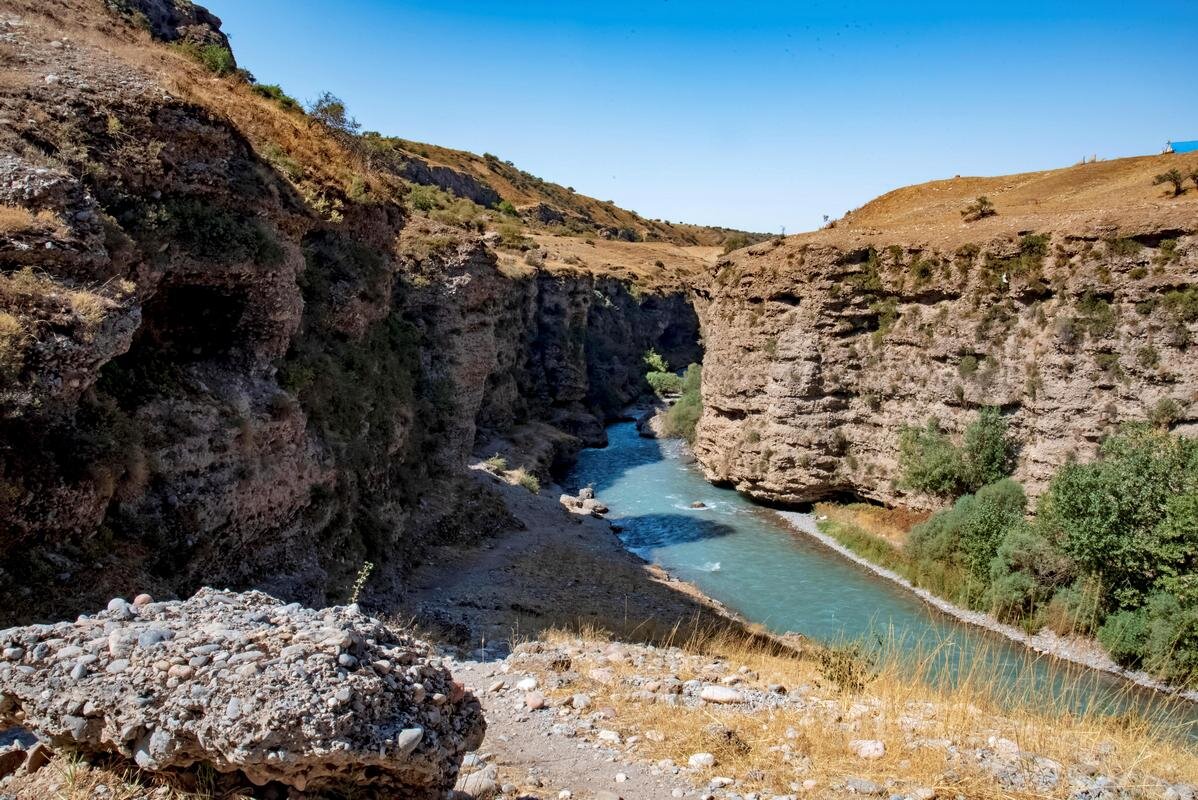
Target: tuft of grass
(16, 220)
(12, 346)
(496, 464)
(522, 477)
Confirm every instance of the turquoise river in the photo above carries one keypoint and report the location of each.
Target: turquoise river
(749, 559)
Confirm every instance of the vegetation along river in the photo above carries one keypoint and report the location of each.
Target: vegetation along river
(746, 557)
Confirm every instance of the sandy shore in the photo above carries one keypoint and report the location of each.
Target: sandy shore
(1080, 651)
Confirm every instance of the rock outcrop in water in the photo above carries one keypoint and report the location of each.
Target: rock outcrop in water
(316, 700)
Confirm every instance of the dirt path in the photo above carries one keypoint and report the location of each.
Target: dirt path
(522, 749)
(561, 571)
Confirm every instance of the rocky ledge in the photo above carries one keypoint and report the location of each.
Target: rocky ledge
(315, 700)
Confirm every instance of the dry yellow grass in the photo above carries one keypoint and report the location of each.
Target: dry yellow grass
(656, 266)
(1103, 198)
(771, 749)
(891, 524)
(18, 220)
(67, 777)
(12, 343)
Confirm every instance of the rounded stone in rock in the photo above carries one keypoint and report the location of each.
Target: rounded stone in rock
(701, 761)
(534, 701)
(142, 599)
(526, 684)
(408, 739)
(721, 695)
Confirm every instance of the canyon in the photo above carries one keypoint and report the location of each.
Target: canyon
(244, 346)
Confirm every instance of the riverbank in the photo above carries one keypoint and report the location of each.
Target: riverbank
(1076, 650)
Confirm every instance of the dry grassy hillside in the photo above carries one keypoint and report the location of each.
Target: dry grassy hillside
(534, 196)
(1104, 196)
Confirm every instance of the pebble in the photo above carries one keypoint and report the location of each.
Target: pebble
(721, 695)
(534, 701)
(526, 684)
(863, 786)
(868, 748)
(701, 761)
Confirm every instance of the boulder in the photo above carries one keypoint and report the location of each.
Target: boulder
(315, 700)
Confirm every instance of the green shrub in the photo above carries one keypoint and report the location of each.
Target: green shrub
(1182, 304)
(1026, 571)
(1121, 248)
(849, 668)
(989, 452)
(1164, 413)
(735, 242)
(275, 92)
(496, 463)
(971, 531)
(210, 232)
(967, 366)
(682, 417)
(664, 383)
(1095, 315)
(1172, 176)
(1125, 635)
(1075, 609)
(1124, 518)
(213, 57)
(1171, 644)
(655, 362)
(931, 463)
(330, 111)
(506, 208)
(979, 209)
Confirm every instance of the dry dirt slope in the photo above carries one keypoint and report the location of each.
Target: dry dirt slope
(1117, 194)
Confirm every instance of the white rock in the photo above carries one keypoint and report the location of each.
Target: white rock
(721, 694)
(526, 684)
(868, 748)
(701, 761)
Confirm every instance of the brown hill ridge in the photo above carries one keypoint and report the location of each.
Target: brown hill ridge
(1102, 196)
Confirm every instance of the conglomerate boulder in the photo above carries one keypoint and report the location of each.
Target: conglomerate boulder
(245, 683)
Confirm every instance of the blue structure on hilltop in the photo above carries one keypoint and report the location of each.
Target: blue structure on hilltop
(1183, 147)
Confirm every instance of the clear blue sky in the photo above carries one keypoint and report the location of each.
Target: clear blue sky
(751, 114)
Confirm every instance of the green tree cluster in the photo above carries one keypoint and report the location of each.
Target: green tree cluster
(1113, 549)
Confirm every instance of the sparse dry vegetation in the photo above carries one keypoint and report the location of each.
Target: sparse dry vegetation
(16, 220)
(910, 703)
(980, 208)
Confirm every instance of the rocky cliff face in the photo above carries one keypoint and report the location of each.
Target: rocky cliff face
(219, 366)
(821, 349)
